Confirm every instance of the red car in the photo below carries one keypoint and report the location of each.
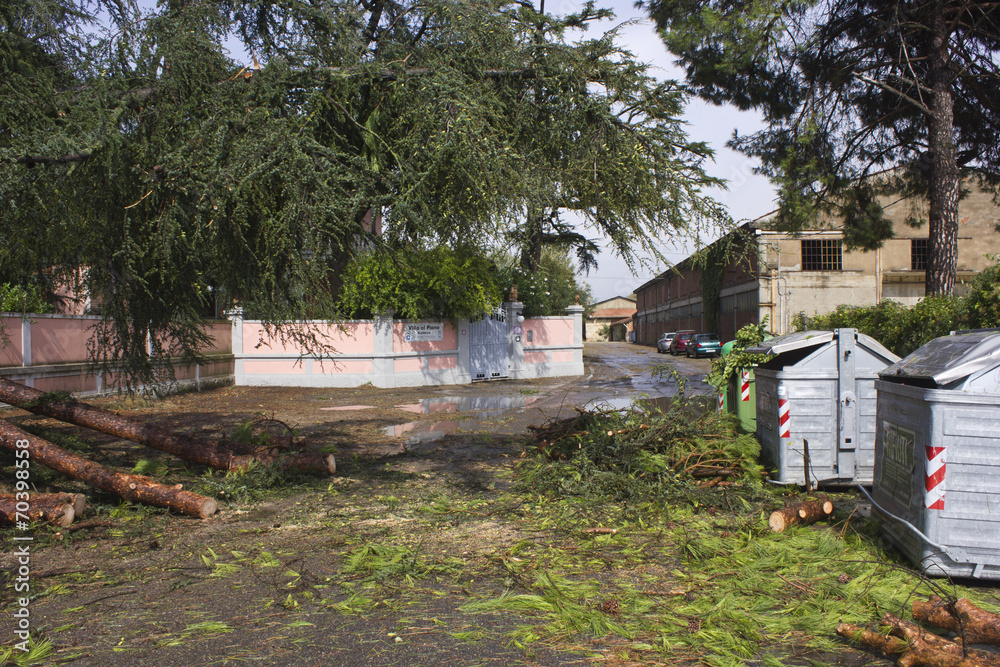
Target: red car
(680, 342)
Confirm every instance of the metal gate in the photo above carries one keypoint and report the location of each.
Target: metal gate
(489, 343)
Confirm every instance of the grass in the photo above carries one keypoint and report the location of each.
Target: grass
(39, 653)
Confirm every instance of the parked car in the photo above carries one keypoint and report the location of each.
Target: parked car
(679, 344)
(663, 344)
(704, 345)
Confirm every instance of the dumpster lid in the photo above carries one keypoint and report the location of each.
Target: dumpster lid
(949, 358)
(798, 340)
(791, 341)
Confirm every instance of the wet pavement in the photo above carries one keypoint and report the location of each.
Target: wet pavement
(616, 375)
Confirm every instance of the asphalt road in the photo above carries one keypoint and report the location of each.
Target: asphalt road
(619, 372)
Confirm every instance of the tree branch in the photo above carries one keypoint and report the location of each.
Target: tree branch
(889, 89)
(32, 160)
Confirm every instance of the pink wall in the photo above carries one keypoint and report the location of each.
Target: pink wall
(441, 363)
(449, 340)
(60, 340)
(353, 338)
(271, 367)
(70, 383)
(220, 334)
(548, 332)
(535, 357)
(10, 341)
(408, 365)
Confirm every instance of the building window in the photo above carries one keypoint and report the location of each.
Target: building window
(822, 255)
(918, 254)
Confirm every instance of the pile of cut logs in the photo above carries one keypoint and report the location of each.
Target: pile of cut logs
(135, 488)
(914, 645)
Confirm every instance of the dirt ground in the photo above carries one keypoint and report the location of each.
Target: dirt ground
(376, 565)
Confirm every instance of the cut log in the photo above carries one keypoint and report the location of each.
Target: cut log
(915, 646)
(182, 446)
(51, 508)
(130, 487)
(77, 500)
(884, 644)
(973, 624)
(804, 513)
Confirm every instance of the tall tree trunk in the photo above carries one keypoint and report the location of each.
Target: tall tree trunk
(531, 244)
(942, 244)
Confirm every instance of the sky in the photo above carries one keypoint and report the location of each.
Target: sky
(748, 196)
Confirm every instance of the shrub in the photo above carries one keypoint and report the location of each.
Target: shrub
(895, 326)
(18, 299)
(983, 302)
(416, 284)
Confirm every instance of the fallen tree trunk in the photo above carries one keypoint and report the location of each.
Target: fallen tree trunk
(130, 487)
(972, 624)
(884, 644)
(53, 508)
(915, 646)
(185, 447)
(804, 513)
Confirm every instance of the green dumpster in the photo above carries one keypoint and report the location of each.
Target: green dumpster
(739, 398)
(723, 395)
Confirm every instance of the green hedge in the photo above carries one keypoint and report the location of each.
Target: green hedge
(903, 329)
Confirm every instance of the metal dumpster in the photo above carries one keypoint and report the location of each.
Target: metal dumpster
(816, 399)
(937, 455)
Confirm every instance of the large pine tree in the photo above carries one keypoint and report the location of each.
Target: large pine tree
(135, 149)
(861, 98)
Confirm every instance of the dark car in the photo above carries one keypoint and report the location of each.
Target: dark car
(707, 345)
(679, 344)
(663, 344)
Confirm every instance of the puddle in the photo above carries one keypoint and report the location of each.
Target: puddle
(487, 405)
(417, 432)
(639, 403)
(484, 407)
(618, 403)
(350, 407)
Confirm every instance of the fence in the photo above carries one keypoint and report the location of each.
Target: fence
(393, 353)
(49, 352)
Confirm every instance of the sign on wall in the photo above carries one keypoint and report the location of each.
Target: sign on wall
(417, 331)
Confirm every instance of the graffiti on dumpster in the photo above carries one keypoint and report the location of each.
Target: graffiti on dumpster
(896, 463)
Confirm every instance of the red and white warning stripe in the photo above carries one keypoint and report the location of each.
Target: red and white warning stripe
(934, 478)
(783, 429)
(722, 401)
(745, 386)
